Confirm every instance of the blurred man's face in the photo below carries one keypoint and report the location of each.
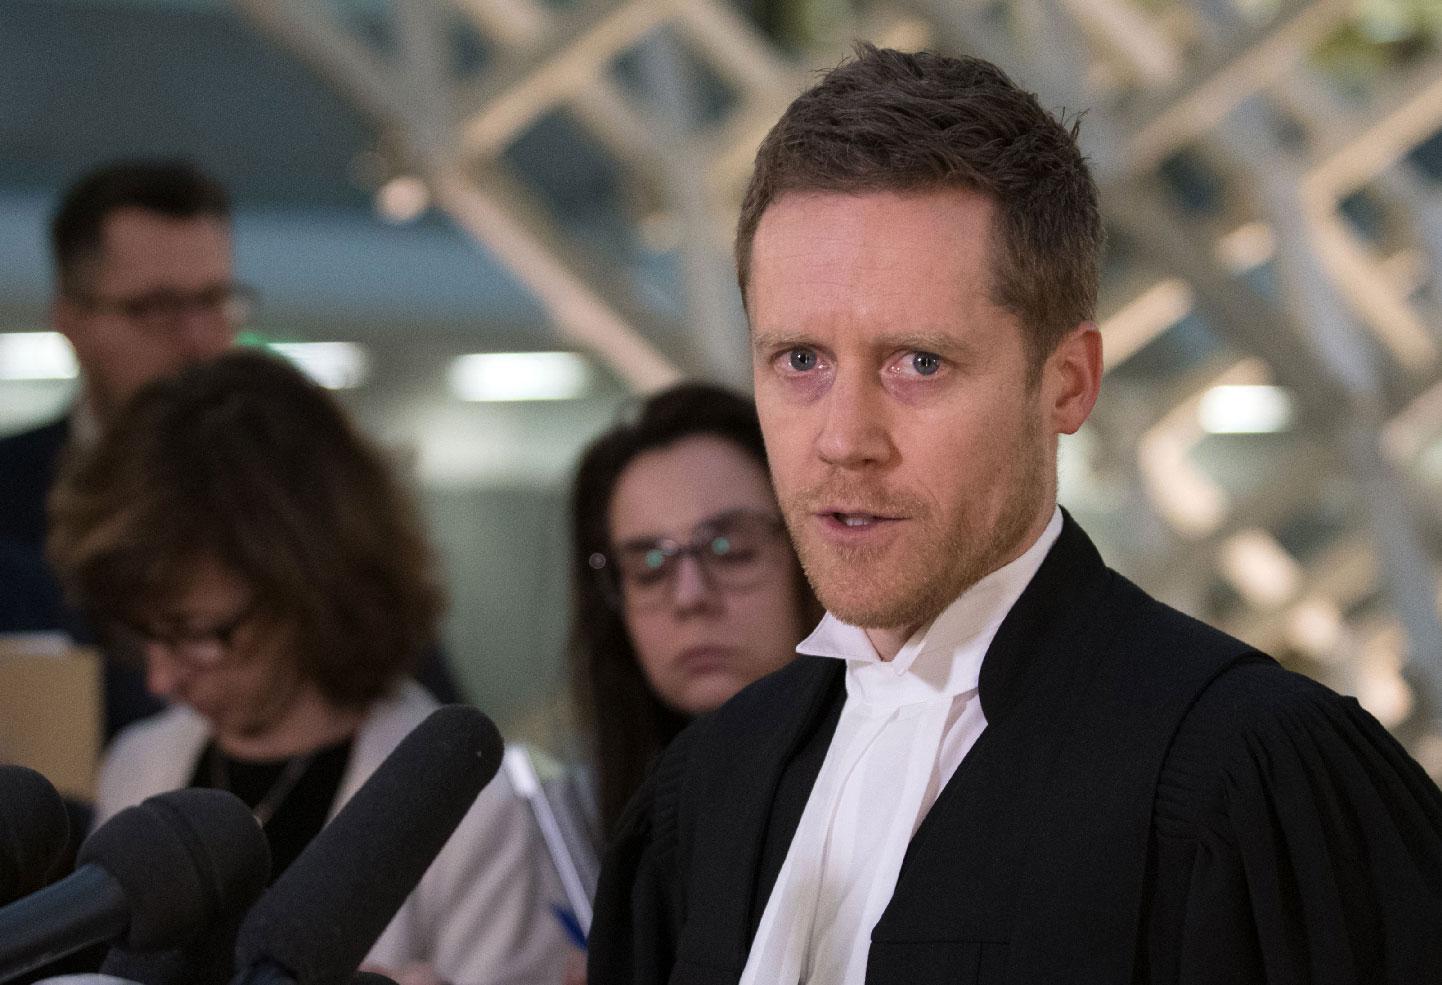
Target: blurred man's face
(160, 296)
(913, 451)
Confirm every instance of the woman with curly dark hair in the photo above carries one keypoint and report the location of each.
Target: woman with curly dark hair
(234, 534)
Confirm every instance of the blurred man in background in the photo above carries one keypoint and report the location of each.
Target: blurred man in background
(144, 286)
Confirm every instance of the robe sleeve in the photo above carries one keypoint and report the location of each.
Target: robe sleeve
(1294, 841)
(638, 903)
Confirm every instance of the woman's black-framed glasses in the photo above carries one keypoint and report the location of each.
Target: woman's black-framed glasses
(198, 647)
(735, 550)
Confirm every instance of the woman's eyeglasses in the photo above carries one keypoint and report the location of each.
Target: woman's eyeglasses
(199, 647)
(734, 550)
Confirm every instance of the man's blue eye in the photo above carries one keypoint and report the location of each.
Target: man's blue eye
(925, 363)
(802, 359)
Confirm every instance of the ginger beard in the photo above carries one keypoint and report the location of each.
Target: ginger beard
(909, 581)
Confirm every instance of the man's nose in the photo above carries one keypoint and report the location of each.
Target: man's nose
(203, 332)
(853, 429)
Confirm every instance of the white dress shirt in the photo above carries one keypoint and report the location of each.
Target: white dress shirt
(906, 726)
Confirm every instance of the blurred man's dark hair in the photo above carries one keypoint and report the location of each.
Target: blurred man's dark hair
(175, 189)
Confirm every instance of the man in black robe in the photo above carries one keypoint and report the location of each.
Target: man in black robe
(1021, 768)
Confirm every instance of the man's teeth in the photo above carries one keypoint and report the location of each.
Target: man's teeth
(853, 521)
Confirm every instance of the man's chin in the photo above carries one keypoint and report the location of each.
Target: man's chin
(872, 604)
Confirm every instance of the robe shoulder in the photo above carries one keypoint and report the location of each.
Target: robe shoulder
(1294, 840)
(641, 897)
(637, 905)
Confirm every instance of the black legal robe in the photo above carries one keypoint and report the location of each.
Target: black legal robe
(1151, 801)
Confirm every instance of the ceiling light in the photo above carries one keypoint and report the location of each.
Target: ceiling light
(334, 365)
(36, 356)
(1246, 409)
(495, 376)
(403, 199)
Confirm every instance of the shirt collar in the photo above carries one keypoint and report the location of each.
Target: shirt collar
(943, 657)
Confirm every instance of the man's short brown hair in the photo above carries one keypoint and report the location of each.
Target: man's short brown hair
(246, 462)
(892, 121)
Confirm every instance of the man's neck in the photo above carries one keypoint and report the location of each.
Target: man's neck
(889, 641)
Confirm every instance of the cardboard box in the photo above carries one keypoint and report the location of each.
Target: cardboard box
(50, 694)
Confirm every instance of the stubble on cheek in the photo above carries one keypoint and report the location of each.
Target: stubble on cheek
(909, 579)
(872, 586)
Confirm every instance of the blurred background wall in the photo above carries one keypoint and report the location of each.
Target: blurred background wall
(421, 184)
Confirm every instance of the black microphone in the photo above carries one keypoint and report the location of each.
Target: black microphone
(316, 924)
(209, 960)
(205, 962)
(34, 831)
(156, 875)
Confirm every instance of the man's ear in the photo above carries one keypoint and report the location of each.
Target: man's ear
(1072, 378)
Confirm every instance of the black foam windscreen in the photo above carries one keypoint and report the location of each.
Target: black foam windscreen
(34, 831)
(185, 860)
(208, 960)
(323, 914)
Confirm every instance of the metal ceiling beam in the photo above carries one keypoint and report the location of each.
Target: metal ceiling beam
(487, 210)
(1400, 118)
(531, 81)
(1131, 33)
(1407, 111)
(513, 23)
(737, 51)
(1203, 98)
(575, 302)
(567, 64)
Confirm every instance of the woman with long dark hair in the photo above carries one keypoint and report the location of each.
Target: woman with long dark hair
(685, 587)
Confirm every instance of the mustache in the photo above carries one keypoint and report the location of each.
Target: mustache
(857, 495)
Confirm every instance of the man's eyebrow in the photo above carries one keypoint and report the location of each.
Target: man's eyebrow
(775, 341)
(924, 340)
(953, 344)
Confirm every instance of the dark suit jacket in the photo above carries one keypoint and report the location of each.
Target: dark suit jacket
(30, 601)
(30, 598)
(28, 462)
(1042, 859)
